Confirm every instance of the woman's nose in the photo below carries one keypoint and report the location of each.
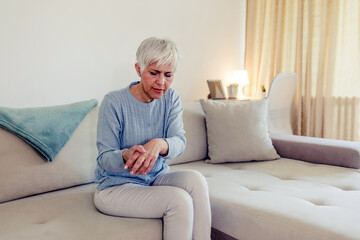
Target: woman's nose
(161, 79)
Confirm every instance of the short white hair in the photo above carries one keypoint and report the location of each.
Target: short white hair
(157, 50)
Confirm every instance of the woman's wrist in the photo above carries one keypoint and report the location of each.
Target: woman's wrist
(123, 155)
(165, 147)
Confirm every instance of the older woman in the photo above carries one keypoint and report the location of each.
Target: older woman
(139, 127)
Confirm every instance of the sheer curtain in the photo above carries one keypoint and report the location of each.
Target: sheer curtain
(319, 40)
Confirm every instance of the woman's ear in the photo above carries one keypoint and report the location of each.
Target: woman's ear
(138, 70)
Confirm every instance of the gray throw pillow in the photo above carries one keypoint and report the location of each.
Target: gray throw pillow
(237, 131)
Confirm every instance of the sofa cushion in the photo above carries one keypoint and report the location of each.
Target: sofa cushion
(23, 172)
(70, 214)
(282, 199)
(195, 133)
(237, 131)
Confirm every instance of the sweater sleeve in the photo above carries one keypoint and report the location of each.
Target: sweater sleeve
(108, 130)
(175, 129)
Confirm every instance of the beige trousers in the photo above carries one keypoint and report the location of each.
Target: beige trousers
(181, 198)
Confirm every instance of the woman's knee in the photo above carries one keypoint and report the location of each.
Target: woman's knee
(195, 179)
(197, 176)
(180, 200)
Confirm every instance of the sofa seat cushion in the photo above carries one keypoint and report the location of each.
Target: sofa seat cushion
(282, 199)
(69, 214)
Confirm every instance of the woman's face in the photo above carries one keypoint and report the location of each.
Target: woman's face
(155, 81)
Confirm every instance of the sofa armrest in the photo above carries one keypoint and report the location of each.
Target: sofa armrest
(318, 150)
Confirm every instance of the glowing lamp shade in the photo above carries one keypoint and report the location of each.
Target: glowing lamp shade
(241, 77)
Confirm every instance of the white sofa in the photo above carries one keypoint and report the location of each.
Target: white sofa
(277, 199)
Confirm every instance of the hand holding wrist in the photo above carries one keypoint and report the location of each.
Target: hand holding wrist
(140, 159)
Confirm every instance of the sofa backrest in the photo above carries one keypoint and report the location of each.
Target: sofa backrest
(24, 173)
(195, 133)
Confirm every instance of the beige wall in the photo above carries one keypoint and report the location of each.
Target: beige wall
(56, 52)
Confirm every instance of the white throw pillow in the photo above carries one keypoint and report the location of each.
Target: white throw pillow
(237, 131)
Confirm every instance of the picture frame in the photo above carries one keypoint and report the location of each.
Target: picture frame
(216, 89)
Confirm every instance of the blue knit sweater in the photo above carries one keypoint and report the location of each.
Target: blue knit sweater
(124, 122)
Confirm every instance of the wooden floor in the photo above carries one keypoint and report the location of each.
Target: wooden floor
(218, 235)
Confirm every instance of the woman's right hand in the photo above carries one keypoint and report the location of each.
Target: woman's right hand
(131, 156)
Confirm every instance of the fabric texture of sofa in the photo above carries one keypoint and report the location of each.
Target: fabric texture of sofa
(312, 191)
